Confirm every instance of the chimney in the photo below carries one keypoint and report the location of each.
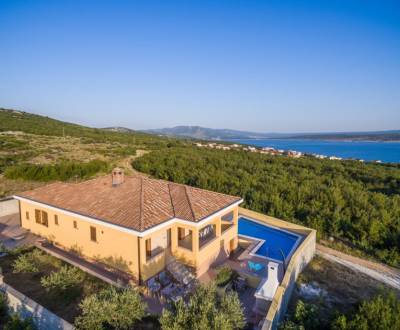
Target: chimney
(117, 176)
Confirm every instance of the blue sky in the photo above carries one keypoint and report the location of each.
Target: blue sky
(273, 66)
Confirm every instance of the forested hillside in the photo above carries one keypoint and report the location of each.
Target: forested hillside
(359, 203)
(36, 149)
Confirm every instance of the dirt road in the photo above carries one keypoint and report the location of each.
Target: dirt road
(380, 272)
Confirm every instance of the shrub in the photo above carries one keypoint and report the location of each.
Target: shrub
(19, 250)
(305, 317)
(205, 310)
(3, 307)
(224, 275)
(3, 248)
(34, 261)
(64, 279)
(62, 171)
(25, 264)
(380, 313)
(16, 323)
(111, 307)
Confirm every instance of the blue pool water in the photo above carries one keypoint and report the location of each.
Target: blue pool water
(276, 241)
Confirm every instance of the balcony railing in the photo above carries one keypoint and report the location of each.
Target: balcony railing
(205, 240)
(226, 226)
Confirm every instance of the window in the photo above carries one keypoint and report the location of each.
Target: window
(41, 217)
(45, 219)
(56, 219)
(75, 224)
(181, 233)
(27, 215)
(93, 234)
(148, 248)
(228, 216)
(38, 216)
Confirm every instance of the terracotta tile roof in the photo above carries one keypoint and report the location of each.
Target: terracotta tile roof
(139, 203)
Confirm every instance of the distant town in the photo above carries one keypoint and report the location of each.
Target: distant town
(270, 151)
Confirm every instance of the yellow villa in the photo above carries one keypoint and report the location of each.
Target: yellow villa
(134, 223)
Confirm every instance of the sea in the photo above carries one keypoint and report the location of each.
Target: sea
(386, 152)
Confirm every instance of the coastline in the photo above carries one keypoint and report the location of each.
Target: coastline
(348, 149)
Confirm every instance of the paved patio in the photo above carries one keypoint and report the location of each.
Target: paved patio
(12, 235)
(239, 262)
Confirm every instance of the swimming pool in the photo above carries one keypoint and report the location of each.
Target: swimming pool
(274, 243)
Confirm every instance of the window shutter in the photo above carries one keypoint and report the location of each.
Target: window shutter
(93, 234)
(45, 219)
(38, 216)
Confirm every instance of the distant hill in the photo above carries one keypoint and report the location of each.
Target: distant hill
(119, 129)
(393, 135)
(204, 133)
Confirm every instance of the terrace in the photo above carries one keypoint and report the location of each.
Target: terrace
(205, 235)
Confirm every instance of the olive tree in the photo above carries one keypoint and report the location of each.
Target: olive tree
(111, 308)
(205, 310)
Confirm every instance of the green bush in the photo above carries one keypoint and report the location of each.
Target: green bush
(33, 261)
(224, 275)
(111, 308)
(62, 171)
(16, 323)
(3, 307)
(25, 264)
(380, 313)
(305, 317)
(66, 278)
(3, 248)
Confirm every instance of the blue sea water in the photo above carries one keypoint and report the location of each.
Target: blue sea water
(388, 152)
(277, 242)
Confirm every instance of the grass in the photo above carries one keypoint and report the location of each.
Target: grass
(65, 306)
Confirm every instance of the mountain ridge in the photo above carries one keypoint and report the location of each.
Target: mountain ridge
(204, 133)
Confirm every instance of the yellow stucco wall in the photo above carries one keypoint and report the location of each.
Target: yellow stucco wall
(113, 246)
(199, 259)
(126, 250)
